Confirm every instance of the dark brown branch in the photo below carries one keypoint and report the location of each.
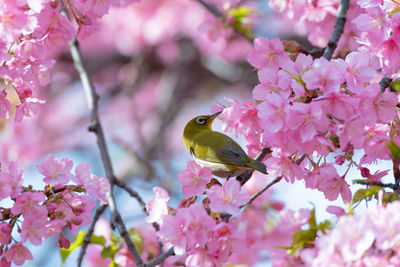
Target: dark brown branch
(245, 176)
(86, 239)
(132, 193)
(385, 83)
(338, 30)
(377, 183)
(161, 258)
(259, 193)
(97, 129)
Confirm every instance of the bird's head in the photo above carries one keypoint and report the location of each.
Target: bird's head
(200, 123)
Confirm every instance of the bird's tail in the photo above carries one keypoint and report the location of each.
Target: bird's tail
(258, 166)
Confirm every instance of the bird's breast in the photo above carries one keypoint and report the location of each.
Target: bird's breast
(220, 169)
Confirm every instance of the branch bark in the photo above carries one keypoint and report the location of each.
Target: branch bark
(86, 239)
(338, 30)
(97, 129)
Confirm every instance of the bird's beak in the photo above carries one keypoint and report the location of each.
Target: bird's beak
(213, 116)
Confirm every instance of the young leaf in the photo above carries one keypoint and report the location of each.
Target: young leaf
(75, 244)
(365, 193)
(137, 239)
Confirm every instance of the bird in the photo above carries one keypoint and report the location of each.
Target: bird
(217, 151)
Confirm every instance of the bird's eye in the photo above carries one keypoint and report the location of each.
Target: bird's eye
(200, 120)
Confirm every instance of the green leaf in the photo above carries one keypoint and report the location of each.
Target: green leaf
(395, 85)
(107, 252)
(390, 197)
(365, 193)
(324, 226)
(94, 239)
(115, 238)
(113, 264)
(394, 150)
(241, 21)
(137, 239)
(312, 221)
(394, 11)
(75, 244)
(301, 238)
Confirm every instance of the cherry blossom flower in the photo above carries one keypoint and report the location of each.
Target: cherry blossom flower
(56, 173)
(157, 206)
(95, 186)
(194, 179)
(18, 254)
(227, 198)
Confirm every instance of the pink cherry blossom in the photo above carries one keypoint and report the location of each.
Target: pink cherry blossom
(190, 227)
(227, 198)
(18, 254)
(272, 113)
(280, 165)
(56, 173)
(93, 257)
(5, 236)
(5, 187)
(326, 75)
(5, 105)
(55, 226)
(34, 230)
(28, 204)
(267, 54)
(358, 70)
(338, 211)
(194, 179)
(94, 186)
(157, 206)
(307, 119)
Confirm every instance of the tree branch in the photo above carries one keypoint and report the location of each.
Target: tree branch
(97, 129)
(161, 258)
(259, 193)
(86, 239)
(385, 83)
(338, 30)
(377, 183)
(132, 193)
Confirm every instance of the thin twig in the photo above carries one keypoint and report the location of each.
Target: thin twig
(132, 193)
(161, 258)
(97, 129)
(377, 183)
(259, 193)
(338, 30)
(385, 83)
(86, 239)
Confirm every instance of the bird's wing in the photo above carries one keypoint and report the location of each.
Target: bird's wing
(218, 147)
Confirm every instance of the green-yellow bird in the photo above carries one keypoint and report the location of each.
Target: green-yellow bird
(217, 151)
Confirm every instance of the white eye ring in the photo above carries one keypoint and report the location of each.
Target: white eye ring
(200, 120)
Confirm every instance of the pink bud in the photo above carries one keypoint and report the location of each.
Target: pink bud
(54, 3)
(51, 206)
(63, 242)
(365, 172)
(77, 220)
(24, 91)
(340, 159)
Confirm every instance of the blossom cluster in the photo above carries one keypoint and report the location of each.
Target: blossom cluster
(198, 233)
(38, 214)
(317, 107)
(31, 32)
